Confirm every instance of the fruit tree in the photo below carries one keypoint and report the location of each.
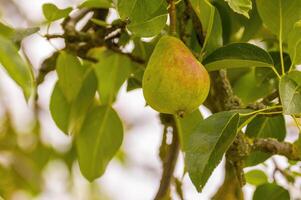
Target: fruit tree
(223, 77)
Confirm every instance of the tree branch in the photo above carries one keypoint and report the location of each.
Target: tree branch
(270, 145)
(70, 22)
(221, 96)
(171, 156)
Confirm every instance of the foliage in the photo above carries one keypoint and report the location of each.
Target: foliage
(251, 48)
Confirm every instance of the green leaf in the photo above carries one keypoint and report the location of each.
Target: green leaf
(68, 116)
(294, 44)
(144, 49)
(256, 177)
(240, 6)
(263, 82)
(99, 22)
(211, 23)
(98, 141)
(256, 157)
(16, 35)
(111, 70)
(207, 144)
(83, 101)
(268, 72)
(265, 127)
(70, 73)
(290, 92)
(60, 109)
(251, 26)
(18, 69)
(96, 4)
(229, 19)
(139, 10)
(6, 31)
(238, 55)
(279, 15)
(149, 28)
(135, 81)
(188, 124)
(53, 13)
(147, 18)
(250, 88)
(20, 34)
(271, 191)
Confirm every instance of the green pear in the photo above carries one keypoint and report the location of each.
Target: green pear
(174, 81)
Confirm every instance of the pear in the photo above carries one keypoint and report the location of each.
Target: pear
(174, 81)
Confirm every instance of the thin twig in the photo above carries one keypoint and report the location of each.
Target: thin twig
(53, 36)
(172, 17)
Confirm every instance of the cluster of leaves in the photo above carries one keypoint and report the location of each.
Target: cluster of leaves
(221, 42)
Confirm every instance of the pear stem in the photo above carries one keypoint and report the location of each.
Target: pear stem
(172, 17)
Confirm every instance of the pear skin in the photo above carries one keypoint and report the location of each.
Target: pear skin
(174, 81)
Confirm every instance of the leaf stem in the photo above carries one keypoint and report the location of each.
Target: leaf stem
(245, 123)
(276, 72)
(280, 40)
(270, 113)
(259, 111)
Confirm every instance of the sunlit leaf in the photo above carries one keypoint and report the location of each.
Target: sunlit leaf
(83, 102)
(70, 73)
(68, 116)
(256, 177)
(16, 67)
(240, 6)
(52, 12)
(294, 43)
(111, 70)
(96, 4)
(98, 141)
(99, 22)
(147, 18)
(16, 35)
(60, 109)
(290, 92)
(149, 28)
(279, 15)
